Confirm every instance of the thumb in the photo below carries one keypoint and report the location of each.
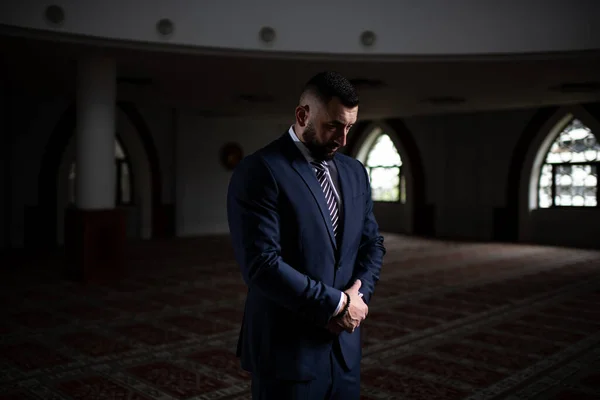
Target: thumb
(357, 284)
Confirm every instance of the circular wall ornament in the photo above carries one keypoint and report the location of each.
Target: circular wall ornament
(165, 27)
(54, 14)
(231, 155)
(367, 38)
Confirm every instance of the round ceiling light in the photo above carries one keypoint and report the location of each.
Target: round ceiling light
(165, 27)
(367, 38)
(267, 34)
(54, 14)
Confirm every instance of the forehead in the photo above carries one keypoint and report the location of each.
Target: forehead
(336, 111)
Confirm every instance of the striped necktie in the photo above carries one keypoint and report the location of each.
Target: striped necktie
(330, 199)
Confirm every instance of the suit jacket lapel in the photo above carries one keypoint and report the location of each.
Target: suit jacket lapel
(346, 195)
(307, 174)
(305, 170)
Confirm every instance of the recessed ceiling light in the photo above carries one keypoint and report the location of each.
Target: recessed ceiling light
(267, 34)
(165, 27)
(55, 14)
(367, 38)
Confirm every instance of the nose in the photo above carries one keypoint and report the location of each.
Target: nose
(341, 137)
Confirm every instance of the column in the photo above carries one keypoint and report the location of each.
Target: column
(6, 133)
(95, 229)
(95, 134)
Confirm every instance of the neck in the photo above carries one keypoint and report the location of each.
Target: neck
(299, 132)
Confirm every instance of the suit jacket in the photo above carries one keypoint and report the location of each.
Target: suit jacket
(293, 265)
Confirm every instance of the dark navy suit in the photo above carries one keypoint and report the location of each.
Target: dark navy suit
(295, 268)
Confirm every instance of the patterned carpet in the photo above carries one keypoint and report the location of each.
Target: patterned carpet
(448, 321)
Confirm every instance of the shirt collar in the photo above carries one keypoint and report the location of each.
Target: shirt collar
(305, 151)
(301, 146)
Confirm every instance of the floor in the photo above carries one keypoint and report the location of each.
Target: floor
(447, 321)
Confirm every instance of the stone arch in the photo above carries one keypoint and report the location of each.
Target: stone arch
(506, 220)
(518, 216)
(415, 215)
(60, 149)
(534, 158)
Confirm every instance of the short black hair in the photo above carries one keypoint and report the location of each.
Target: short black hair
(329, 84)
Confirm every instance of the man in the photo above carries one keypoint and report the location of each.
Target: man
(302, 225)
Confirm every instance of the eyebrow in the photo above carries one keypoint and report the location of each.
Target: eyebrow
(336, 122)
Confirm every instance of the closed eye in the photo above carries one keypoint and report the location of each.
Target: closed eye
(338, 124)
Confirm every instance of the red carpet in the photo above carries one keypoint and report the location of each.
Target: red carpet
(448, 321)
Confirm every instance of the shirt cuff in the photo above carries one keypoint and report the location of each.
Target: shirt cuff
(339, 307)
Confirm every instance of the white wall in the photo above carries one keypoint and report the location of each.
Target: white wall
(466, 160)
(201, 180)
(403, 27)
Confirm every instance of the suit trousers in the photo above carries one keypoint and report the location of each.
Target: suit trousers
(333, 382)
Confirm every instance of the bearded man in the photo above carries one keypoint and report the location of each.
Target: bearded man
(308, 245)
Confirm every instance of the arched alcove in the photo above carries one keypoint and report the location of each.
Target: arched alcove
(380, 155)
(139, 208)
(59, 155)
(554, 207)
(390, 156)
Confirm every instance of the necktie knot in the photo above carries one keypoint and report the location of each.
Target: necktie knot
(319, 165)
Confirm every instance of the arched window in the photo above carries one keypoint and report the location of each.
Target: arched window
(123, 181)
(384, 165)
(569, 175)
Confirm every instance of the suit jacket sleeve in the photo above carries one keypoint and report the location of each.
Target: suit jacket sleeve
(252, 207)
(371, 249)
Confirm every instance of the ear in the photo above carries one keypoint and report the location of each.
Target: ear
(302, 115)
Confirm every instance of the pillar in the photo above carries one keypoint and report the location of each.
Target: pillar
(6, 134)
(94, 228)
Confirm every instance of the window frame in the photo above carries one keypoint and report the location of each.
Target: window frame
(554, 167)
(401, 187)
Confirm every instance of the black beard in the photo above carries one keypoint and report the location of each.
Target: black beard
(319, 151)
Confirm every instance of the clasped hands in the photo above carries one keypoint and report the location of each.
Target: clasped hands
(351, 319)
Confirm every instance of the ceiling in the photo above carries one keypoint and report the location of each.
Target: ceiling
(241, 84)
